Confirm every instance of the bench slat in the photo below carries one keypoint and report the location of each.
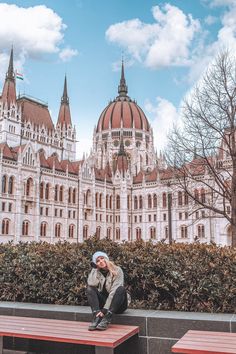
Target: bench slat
(69, 331)
(213, 341)
(70, 325)
(64, 331)
(206, 342)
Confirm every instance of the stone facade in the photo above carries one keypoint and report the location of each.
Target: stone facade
(119, 191)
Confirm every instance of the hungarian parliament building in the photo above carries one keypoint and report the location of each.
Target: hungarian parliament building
(119, 191)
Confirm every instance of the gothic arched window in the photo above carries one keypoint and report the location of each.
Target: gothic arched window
(29, 187)
(58, 230)
(98, 232)
(47, 188)
(107, 201)
(71, 230)
(11, 185)
(109, 233)
(74, 196)
(69, 195)
(152, 233)
(56, 193)
(164, 201)
(100, 200)
(203, 195)
(149, 201)
(135, 202)
(85, 232)
(61, 194)
(201, 231)
(43, 229)
(117, 202)
(5, 226)
(4, 184)
(25, 228)
(180, 199)
(138, 234)
(184, 231)
(117, 233)
(140, 202)
(185, 198)
(154, 201)
(41, 190)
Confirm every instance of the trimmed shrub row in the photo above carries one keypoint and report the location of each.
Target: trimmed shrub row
(182, 277)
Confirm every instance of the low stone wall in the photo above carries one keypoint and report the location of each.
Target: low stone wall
(159, 330)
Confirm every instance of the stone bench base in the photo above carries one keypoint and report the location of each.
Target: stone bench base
(159, 330)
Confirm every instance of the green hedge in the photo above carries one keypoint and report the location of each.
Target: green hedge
(179, 277)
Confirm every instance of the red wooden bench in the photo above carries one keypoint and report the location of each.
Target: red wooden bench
(206, 342)
(66, 332)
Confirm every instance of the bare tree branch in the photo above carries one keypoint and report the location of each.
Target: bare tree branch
(202, 150)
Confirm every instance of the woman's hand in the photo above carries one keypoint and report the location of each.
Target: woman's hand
(100, 314)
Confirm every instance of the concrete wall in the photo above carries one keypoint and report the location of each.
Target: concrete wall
(159, 330)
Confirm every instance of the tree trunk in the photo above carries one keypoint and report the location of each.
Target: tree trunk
(233, 195)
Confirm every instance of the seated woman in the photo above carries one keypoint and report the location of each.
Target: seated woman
(106, 292)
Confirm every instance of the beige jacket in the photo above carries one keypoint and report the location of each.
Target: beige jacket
(97, 279)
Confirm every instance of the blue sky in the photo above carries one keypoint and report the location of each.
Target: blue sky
(166, 47)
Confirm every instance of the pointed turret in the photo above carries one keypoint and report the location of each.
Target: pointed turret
(9, 88)
(65, 98)
(122, 163)
(122, 88)
(10, 73)
(122, 148)
(64, 117)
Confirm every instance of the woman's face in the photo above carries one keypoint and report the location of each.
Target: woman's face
(101, 263)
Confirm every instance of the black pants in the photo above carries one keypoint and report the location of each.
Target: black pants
(97, 299)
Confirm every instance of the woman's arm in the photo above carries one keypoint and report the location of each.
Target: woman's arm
(93, 278)
(118, 280)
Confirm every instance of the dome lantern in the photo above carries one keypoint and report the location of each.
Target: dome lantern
(122, 88)
(122, 113)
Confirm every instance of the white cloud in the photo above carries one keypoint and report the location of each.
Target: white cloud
(226, 39)
(4, 61)
(227, 34)
(210, 20)
(67, 53)
(165, 42)
(37, 29)
(84, 146)
(176, 39)
(33, 32)
(116, 66)
(164, 114)
(215, 3)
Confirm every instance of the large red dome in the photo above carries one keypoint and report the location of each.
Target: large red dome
(122, 113)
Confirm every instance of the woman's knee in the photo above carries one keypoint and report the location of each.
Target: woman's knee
(120, 290)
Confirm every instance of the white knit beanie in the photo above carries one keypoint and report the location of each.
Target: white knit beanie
(99, 254)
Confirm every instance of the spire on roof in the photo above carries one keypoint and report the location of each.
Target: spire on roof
(9, 88)
(64, 117)
(10, 73)
(122, 88)
(65, 98)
